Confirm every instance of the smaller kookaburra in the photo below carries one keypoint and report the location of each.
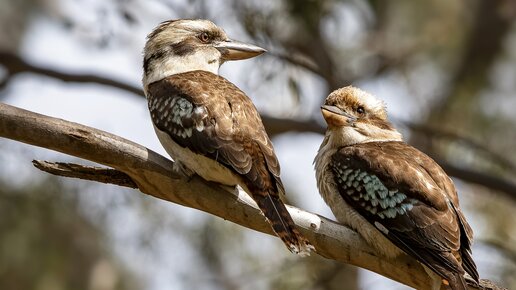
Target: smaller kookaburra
(396, 197)
(207, 124)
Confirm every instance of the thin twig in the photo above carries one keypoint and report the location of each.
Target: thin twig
(92, 173)
(15, 65)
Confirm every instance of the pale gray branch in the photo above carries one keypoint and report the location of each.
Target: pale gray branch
(153, 175)
(92, 173)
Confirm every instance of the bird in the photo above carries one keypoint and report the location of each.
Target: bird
(396, 197)
(207, 124)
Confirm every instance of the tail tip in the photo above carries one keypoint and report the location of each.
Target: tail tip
(303, 248)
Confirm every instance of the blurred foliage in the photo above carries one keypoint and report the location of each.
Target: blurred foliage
(451, 64)
(47, 244)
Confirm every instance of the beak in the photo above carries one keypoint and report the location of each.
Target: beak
(337, 117)
(236, 50)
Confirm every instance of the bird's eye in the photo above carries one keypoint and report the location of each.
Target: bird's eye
(360, 110)
(204, 37)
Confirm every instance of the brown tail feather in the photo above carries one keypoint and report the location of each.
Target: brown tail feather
(469, 265)
(282, 223)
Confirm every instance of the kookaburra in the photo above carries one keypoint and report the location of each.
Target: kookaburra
(207, 124)
(396, 197)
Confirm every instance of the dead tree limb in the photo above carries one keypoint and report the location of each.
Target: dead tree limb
(91, 173)
(153, 175)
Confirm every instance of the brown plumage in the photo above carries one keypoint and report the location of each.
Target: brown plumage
(383, 187)
(213, 118)
(208, 125)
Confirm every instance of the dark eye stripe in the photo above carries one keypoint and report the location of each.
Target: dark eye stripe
(183, 48)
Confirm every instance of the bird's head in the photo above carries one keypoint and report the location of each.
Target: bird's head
(183, 45)
(354, 116)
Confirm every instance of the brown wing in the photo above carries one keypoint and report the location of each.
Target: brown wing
(408, 197)
(211, 116)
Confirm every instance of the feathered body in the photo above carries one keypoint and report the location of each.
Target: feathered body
(207, 124)
(396, 197)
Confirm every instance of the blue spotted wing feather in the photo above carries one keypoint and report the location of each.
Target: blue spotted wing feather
(396, 186)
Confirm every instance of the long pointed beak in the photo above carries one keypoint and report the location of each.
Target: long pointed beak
(337, 117)
(236, 50)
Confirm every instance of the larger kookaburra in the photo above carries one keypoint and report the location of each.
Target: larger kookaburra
(208, 125)
(396, 197)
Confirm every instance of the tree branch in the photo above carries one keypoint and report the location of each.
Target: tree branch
(15, 65)
(153, 175)
(91, 173)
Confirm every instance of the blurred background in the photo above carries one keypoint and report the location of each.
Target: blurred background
(446, 69)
